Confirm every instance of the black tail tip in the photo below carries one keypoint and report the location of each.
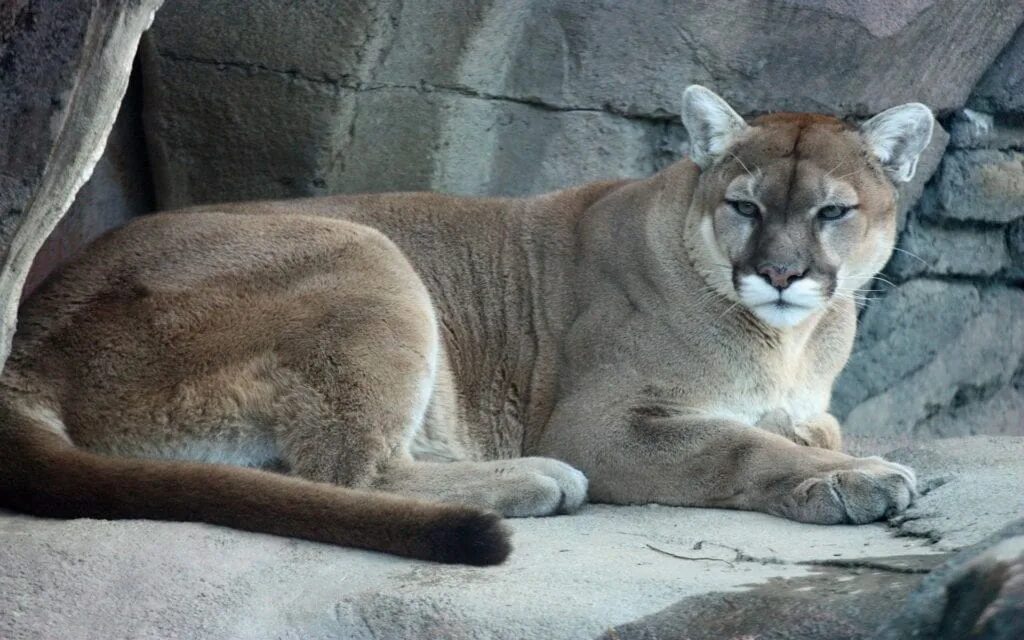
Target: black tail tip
(468, 536)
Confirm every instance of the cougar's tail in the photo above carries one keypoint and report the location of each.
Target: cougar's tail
(42, 474)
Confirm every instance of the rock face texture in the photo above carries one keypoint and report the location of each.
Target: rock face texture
(520, 97)
(118, 189)
(941, 351)
(64, 68)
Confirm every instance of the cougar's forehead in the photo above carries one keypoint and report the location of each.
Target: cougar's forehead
(790, 162)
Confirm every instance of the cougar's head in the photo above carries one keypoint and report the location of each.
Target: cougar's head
(793, 211)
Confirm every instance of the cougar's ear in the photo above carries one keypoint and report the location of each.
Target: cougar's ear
(711, 123)
(897, 137)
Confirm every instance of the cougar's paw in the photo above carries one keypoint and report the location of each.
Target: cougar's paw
(542, 487)
(870, 490)
(820, 431)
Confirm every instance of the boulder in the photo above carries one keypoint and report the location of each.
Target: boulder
(970, 129)
(65, 67)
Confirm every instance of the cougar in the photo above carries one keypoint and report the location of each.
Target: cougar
(397, 372)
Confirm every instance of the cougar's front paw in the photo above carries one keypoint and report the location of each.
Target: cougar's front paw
(869, 490)
(542, 487)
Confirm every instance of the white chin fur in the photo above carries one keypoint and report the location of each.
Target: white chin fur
(787, 308)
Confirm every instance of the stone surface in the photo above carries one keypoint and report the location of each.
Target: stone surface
(972, 487)
(513, 98)
(979, 593)
(570, 577)
(970, 129)
(931, 249)
(979, 186)
(1001, 89)
(934, 355)
(327, 139)
(65, 66)
(118, 190)
(829, 604)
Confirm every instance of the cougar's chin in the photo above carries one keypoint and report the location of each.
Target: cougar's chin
(786, 308)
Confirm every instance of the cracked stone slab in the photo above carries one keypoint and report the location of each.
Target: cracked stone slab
(977, 488)
(569, 577)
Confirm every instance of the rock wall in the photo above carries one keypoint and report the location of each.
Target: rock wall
(941, 351)
(478, 97)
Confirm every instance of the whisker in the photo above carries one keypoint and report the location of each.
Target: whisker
(913, 255)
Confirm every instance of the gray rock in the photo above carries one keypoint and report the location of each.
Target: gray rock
(313, 98)
(324, 138)
(984, 186)
(65, 66)
(927, 248)
(118, 190)
(971, 488)
(979, 593)
(1015, 243)
(1001, 89)
(932, 348)
(970, 129)
(632, 58)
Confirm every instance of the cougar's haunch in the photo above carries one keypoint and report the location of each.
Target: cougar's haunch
(396, 372)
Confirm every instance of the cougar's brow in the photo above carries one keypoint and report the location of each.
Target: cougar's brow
(795, 155)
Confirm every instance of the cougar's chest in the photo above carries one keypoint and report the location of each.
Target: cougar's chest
(784, 376)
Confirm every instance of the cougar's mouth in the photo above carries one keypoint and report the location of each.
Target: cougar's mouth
(780, 308)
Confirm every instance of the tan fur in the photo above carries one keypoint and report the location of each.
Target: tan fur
(421, 345)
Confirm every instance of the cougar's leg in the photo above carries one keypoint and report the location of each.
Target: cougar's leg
(689, 460)
(356, 387)
(519, 487)
(358, 379)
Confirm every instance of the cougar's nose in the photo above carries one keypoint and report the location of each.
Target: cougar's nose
(780, 276)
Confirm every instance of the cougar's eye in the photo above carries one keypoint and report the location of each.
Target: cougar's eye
(745, 208)
(833, 212)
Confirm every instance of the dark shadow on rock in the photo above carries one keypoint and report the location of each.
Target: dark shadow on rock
(840, 601)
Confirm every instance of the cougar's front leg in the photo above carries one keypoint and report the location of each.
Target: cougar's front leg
(671, 458)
